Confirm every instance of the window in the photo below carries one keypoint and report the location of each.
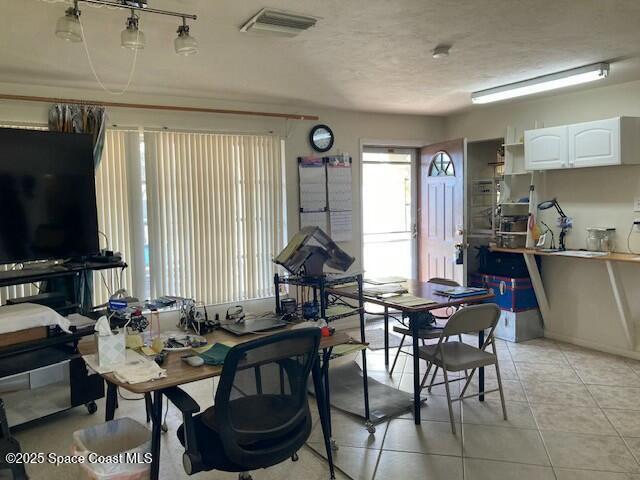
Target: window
(216, 216)
(199, 215)
(442, 166)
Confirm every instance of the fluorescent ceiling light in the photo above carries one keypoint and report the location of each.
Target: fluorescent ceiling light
(554, 81)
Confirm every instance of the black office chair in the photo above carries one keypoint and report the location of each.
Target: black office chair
(261, 414)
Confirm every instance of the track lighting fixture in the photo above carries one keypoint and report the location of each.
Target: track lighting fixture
(185, 44)
(69, 27)
(132, 37)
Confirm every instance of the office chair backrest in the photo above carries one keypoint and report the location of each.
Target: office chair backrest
(472, 319)
(261, 401)
(444, 281)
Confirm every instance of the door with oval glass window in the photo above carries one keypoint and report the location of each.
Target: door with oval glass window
(441, 211)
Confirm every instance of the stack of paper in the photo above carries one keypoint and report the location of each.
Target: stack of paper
(380, 290)
(412, 301)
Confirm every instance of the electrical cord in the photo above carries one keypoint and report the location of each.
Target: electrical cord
(95, 73)
(105, 238)
(120, 279)
(629, 240)
(131, 399)
(104, 282)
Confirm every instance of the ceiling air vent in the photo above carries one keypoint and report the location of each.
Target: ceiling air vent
(278, 22)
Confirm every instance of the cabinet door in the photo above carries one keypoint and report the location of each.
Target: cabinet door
(594, 144)
(546, 148)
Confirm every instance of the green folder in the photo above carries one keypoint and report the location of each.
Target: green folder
(216, 354)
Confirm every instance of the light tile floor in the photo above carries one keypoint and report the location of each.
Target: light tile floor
(574, 414)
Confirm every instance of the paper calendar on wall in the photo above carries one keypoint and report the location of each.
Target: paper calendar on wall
(326, 199)
(340, 197)
(313, 184)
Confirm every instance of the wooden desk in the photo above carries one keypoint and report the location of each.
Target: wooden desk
(610, 261)
(180, 373)
(423, 290)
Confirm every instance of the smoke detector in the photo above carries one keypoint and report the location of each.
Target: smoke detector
(441, 51)
(278, 22)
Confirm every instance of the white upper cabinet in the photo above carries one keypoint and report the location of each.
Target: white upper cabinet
(546, 148)
(615, 141)
(594, 144)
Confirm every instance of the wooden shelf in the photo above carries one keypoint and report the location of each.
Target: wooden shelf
(510, 233)
(611, 257)
(610, 261)
(513, 145)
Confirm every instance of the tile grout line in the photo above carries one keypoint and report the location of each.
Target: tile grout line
(586, 386)
(384, 437)
(535, 420)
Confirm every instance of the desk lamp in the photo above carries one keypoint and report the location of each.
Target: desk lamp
(564, 222)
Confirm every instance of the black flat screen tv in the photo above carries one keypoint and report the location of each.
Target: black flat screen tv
(47, 196)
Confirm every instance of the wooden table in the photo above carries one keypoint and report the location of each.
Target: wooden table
(427, 291)
(610, 261)
(180, 373)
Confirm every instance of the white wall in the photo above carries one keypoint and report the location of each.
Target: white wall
(349, 129)
(582, 305)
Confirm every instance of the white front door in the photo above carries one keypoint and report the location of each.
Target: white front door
(441, 211)
(388, 212)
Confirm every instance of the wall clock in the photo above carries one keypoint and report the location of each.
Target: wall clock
(321, 138)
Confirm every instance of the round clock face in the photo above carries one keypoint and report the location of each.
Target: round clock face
(321, 138)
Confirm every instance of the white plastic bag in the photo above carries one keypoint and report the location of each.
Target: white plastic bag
(118, 443)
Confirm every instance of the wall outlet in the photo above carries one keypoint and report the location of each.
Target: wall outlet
(636, 204)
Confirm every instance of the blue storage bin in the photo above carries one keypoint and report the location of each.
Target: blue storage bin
(511, 294)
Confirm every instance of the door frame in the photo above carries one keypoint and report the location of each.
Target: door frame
(399, 144)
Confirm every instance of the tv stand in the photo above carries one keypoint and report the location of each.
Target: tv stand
(36, 362)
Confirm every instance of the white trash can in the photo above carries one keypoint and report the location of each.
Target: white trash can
(116, 450)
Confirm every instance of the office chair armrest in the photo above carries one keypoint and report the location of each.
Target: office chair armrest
(191, 458)
(182, 400)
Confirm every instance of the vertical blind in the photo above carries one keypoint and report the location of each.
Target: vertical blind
(216, 216)
(114, 199)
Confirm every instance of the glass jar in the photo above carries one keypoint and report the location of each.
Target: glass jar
(600, 239)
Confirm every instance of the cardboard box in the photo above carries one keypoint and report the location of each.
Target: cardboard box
(519, 326)
(21, 336)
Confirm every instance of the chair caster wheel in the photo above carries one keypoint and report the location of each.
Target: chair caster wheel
(334, 445)
(164, 428)
(91, 407)
(295, 457)
(370, 427)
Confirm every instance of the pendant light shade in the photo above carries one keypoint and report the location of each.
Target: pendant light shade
(132, 37)
(185, 44)
(68, 27)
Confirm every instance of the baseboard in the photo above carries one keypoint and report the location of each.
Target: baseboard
(593, 345)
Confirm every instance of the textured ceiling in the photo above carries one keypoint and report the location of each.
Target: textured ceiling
(372, 55)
